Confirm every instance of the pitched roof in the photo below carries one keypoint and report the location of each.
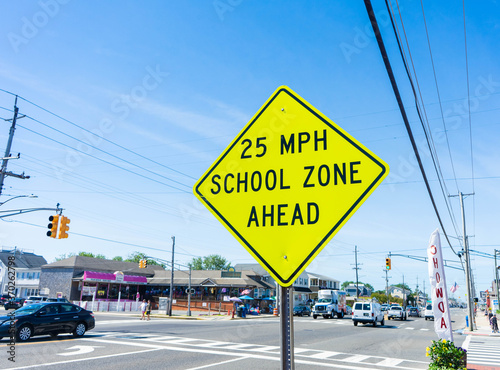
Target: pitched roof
(207, 278)
(22, 259)
(99, 264)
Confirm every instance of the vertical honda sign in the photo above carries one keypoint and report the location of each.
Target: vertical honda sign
(439, 295)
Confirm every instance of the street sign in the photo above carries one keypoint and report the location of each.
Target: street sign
(288, 182)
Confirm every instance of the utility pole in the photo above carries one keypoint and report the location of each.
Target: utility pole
(418, 294)
(189, 289)
(467, 263)
(387, 286)
(496, 277)
(424, 294)
(172, 279)
(7, 156)
(404, 291)
(356, 268)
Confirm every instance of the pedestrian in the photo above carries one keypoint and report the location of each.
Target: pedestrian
(143, 309)
(494, 324)
(148, 309)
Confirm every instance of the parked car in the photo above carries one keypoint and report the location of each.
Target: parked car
(14, 303)
(47, 319)
(429, 314)
(301, 311)
(413, 311)
(367, 313)
(384, 307)
(4, 298)
(35, 299)
(61, 300)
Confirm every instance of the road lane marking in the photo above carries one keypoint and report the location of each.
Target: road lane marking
(78, 350)
(319, 355)
(84, 359)
(389, 362)
(218, 363)
(325, 354)
(356, 358)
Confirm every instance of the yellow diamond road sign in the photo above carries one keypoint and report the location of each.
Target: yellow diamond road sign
(288, 182)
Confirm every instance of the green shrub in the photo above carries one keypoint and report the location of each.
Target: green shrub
(444, 355)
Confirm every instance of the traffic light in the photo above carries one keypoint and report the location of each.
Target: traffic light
(142, 264)
(53, 226)
(63, 230)
(387, 263)
(145, 263)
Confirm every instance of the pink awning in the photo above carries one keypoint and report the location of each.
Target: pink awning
(111, 278)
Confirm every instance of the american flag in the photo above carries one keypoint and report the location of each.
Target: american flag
(454, 288)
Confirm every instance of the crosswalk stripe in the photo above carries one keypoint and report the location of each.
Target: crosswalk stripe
(300, 352)
(356, 358)
(389, 362)
(324, 355)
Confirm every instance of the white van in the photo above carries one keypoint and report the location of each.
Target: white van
(429, 314)
(367, 313)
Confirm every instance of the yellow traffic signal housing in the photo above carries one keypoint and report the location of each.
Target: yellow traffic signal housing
(54, 220)
(141, 264)
(63, 230)
(387, 263)
(145, 263)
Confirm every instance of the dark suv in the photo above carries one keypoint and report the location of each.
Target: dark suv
(301, 311)
(14, 303)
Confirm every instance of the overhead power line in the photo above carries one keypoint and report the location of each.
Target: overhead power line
(425, 125)
(385, 57)
(103, 160)
(99, 136)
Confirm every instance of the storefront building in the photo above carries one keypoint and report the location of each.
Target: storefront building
(77, 278)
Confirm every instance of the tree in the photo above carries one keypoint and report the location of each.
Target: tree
(210, 262)
(137, 256)
(64, 256)
(118, 258)
(89, 254)
(196, 263)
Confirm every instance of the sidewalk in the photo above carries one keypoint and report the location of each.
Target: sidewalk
(195, 315)
(482, 327)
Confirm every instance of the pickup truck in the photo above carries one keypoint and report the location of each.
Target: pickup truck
(396, 312)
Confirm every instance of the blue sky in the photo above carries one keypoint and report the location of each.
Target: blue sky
(176, 81)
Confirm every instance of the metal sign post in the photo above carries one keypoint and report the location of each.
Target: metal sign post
(286, 324)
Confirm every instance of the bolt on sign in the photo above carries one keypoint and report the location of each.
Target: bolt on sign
(288, 182)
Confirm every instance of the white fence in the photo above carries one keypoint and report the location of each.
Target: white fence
(109, 306)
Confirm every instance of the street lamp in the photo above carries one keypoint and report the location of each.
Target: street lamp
(19, 196)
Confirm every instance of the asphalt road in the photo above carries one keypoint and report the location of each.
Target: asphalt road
(124, 342)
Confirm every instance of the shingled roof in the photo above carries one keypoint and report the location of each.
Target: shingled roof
(81, 263)
(23, 259)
